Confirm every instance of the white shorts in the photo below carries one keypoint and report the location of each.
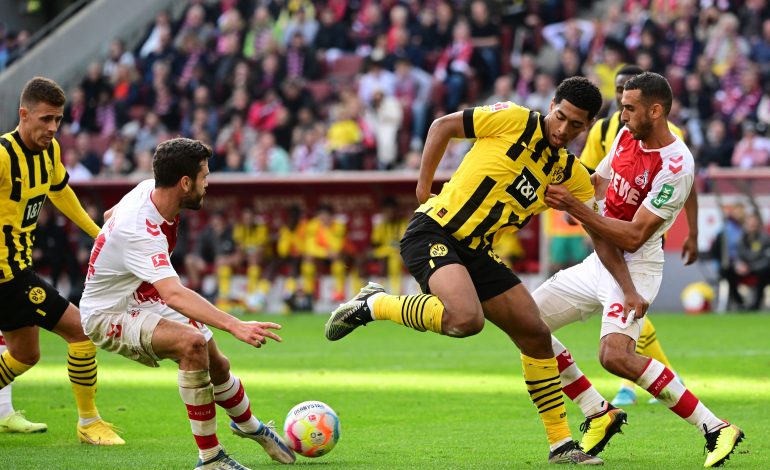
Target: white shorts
(129, 333)
(579, 292)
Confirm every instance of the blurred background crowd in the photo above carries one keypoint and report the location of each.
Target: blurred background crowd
(310, 86)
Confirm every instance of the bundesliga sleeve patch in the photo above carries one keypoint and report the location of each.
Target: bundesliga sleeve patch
(663, 196)
(160, 260)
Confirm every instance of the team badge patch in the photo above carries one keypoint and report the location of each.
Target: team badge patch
(557, 174)
(437, 250)
(37, 295)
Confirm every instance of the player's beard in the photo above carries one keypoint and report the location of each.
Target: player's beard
(642, 131)
(193, 200)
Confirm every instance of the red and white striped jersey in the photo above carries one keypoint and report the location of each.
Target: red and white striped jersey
(132, 251)
(660, 179)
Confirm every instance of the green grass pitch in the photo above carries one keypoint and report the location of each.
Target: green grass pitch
(406, 400)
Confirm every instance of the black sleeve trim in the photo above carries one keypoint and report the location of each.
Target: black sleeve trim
(60, 186)
(470, 133)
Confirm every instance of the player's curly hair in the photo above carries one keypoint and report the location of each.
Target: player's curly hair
(580, 92)
(42, 90)
(654, 88)
(176, 158)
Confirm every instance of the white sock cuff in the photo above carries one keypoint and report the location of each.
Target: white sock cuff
(231, 383)
(651, 373)
(193, 378)
(370, 302)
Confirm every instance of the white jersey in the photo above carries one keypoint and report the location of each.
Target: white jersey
(660, 179)
(131, 252)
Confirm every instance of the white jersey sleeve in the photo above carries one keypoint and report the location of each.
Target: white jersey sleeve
(147, 258)
(668, 193)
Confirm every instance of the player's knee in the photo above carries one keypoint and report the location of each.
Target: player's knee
(612, 359)
(219, 367)
(462, 324)
(193, 344)
(29, 358)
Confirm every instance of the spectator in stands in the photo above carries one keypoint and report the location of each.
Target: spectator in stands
(502, 91)
(116, 160)
(214, 248)
(118, 55)
(760, 50)
(413, 89)
(78, 116)
(88, 156)
(259, 37)
(345, 137)
(573, 33)
(739, 102)
(717, 148)
(303, 23)
(93, 85)
(570, 64)
(152, 42)
(753, 150)
(605, 71)
(106, 117)
(236, 136)
(194, 23)
(524, 78)
(724, 250)
(377, 77)
(233, 161)
(267, 157)
(725, 44)
(75, 169)
(684, 50)
(384, 116)
(485, 37)
(310, 154)
(355, 250)
(301, 61)
(540, 99)
(453, 68)
(142, 165)
(332, 38)
(754, 258)
(697, 100)
(263, 112)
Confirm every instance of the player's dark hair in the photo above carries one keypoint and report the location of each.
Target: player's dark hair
(42, 90)
(654, 88)
(176, 158)
(630, 69)
(580, 92)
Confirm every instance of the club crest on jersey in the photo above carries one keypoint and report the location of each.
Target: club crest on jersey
(557, 175)
(641, 180)
(438, 249)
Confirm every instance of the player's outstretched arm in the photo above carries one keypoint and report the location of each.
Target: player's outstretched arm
(628, 236)
(190, 304)
(690, 247)
(441, 130)
(67, 202)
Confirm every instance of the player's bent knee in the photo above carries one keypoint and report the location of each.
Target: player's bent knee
(29, 358)
(463, 325)
(612, 359)
(192, 344)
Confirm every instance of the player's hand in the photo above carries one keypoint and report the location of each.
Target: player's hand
(256, 333)
(635, 303)
(690, 251)
(423, 193)
(558, 197)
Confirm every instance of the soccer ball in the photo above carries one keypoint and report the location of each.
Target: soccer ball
(312, 428)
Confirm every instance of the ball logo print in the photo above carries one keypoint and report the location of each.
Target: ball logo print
(312, 429)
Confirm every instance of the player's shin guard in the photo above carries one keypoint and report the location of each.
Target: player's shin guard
(420, 312)
(575, 385)
(10, 368)
(198, 396)
(662, 384)
(544, 386)
(81, 367)
(231, 396)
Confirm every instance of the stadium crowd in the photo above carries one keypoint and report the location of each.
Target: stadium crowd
(280, 87)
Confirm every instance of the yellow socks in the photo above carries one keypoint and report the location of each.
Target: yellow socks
(420, 312)
(81, 367)
(544, 386)
(10, 368)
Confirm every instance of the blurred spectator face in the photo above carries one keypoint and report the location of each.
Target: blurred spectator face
(270, 64)
(503, 86)
(403, 67)
(240, 99)
(749, 79)
(766, 30)
(71, 157)
(83, 143)
(164, 38)
(427, 18)
(398, 16)
(305, 116)
(143, 162)
(233, 159)
(543, 83)
(327, 17)
(94, 71)
(716, 132)
(682, 28)
(195, 16)
(644, 60)
(479, 11)
(116, 49)
(77, 97)
(297, 41)
(261, 16)
(201, 96)
(570, 60)
(444, 13)
(325, 215)
(151, 120)
(461, 32)
(753, 224)
(693, 83)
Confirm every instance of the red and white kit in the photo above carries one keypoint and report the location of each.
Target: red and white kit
(120, 308)
(660, 179)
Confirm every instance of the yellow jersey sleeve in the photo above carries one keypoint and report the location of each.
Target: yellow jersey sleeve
(580, 183)
(493, 120)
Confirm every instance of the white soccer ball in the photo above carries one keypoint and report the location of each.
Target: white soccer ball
(312, 429)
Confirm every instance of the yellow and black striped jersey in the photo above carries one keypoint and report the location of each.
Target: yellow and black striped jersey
(503, 177)
(602, 135)
(26, 177)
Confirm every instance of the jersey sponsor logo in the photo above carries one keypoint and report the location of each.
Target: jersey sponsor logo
(675, 164)
(663, 196)
(641, 180)
(524, 188)
(160, 259)
(37, 295)
(32, 210)
(438, 249)
(152, 229)
(624, 190)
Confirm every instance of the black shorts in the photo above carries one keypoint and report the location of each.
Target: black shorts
(426, 246)
(29, 300)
